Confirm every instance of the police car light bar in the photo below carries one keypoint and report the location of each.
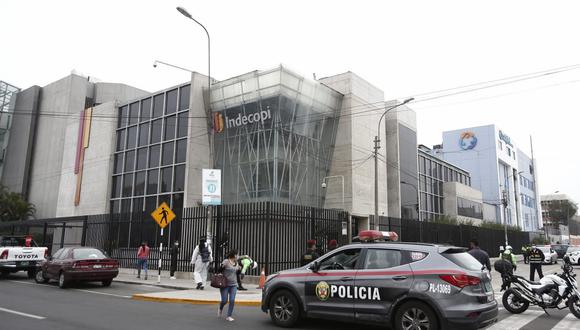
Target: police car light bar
(377, 236)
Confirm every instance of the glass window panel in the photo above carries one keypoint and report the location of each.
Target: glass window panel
(166, 176)
(123, 113)
(184, 97)
(166, 199)
(139, 183)
(154, 156)
(152, 180)
(156, 130)
(150, 204)
(170, 123)
(115, 205)
(171, 101)
(127, 184)
(131, 137)
(129, 161)
(118, 167)
(181, 152)
(133, 113)
(121, 140)
(137, 208)
(157, 105)
(183, 122)
(143, 134)
(141, 158)
(167, 157)
(146, 109)
(179, 182)
(125, 208)
(117, 186)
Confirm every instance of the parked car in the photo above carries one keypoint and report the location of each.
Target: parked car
(573, 253)
(550, 256)
(20, 253)
(78, 264)
(560, 249)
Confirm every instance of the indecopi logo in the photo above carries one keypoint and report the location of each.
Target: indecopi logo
(219, 122)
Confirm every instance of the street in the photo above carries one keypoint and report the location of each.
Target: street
(27, 305)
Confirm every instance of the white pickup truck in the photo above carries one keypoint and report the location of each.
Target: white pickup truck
(20, 253)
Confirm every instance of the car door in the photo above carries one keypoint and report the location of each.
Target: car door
(384, 278)
(55, 263)
(329, 291)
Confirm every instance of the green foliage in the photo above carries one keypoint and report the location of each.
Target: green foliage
(561, 211)
(445, 220)
(498, 226)
(540, 241)
(13, 207)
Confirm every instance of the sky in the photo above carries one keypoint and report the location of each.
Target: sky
(405, 48)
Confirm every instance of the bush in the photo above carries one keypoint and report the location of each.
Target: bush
(499, 226)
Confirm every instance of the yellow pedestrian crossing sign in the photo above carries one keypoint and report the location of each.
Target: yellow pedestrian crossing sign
(163, 215)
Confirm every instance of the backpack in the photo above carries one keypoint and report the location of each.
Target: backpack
(204, 253)
(503, 266)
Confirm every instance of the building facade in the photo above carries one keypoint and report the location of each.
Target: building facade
(496, 165)
(7, 99)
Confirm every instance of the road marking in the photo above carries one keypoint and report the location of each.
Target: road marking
(569, 322)
(104, 293)
(516, 321)
(22, 314)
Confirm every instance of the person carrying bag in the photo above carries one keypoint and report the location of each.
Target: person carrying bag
(201, 257)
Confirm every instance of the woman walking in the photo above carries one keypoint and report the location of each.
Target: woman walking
(201, 258)
(230, 268)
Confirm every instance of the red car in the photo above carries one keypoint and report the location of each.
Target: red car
(82, 264)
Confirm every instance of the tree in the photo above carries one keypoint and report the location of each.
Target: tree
(560, 212)
(14, 207)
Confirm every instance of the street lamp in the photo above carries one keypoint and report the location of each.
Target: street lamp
(376, 152)
(171, 65)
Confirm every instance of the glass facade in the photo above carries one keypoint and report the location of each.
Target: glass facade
(408, 171)
(433, 172)
(274, 136)
(150, 153)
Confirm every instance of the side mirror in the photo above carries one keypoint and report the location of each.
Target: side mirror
(315, 266)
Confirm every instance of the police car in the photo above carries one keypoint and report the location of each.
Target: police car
(404, 285)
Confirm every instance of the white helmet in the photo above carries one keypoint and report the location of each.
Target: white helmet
(509, 247)
(254, 265)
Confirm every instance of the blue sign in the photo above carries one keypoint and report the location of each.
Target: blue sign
(505, 139)
(467, 141)
(211, 188)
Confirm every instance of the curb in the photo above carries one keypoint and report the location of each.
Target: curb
(165, 286)
(193, 301)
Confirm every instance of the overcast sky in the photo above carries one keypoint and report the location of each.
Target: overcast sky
(403, 47)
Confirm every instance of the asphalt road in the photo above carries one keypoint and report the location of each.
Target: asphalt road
(27, 305)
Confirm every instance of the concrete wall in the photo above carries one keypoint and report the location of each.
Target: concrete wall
(362, 106)
(454, 190)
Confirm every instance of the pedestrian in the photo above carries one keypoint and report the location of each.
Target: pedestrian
(526, 252)
(174, 255)
(332, 245)
(536, 259)
(201, 257)
(479, 254)
(142, 259)
(245, 262)
(310, 254)
(508, 255)
(229, 269)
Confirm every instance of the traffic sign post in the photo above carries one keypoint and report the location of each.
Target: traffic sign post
(163, 216)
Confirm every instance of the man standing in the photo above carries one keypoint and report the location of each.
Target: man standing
(479, 254)
(536, 259)
(174, 255)
(142, 257)
(310, 254)
(526, 253)
(508, 255)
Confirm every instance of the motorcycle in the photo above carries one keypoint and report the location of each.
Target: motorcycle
(552, 291)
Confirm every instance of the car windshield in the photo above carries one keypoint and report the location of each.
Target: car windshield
(573, 249)
(463, 260)
(88, 254)
(545, 250)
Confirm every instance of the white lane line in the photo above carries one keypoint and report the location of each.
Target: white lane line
(22, 314)
(104, 293)
(567, 323)
(516, 321)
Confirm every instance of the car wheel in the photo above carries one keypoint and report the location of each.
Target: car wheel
(415, 315)
(31, 273)
(574, 306)
(284, 309)
(513, 303)
(62, 282)
(107, 283)
(39, 277)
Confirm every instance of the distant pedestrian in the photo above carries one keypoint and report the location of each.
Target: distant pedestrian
(508, 255)
(228, 294)
(311, 254)
(479, 254)
(142, 259)
(536, 260)
(201, 257)
(245, 262)
(174, 255)
(332, 245)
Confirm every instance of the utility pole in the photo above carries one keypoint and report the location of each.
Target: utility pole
(504, 201)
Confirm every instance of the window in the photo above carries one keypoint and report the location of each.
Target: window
(64, 254)
(181, 152)
(129, 161)
(118, 163)
(141, 158)
(123, 114)
(184, 97)
(157, 105)
(345, 259)
(143, 134)
(167, 157)
(179, 180)
(171, 102)
(121, 140)
(469, 208)
(182, 124)
(500, 144)
(152, 180)
(127, 184)
(170, 123)
(166, 176)
(131, 137)
(156, 130)
(146, 109)
(154, 155)
(117, 186)
(133, 113)
(509, 152)
(57, 254)
(88, 254)
(139, 183)
(462, 259)
(381, 259)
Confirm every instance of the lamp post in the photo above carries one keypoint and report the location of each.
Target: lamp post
(185, 13)
(171, 65)
(505, 202)
(418, 208)
(376, 154)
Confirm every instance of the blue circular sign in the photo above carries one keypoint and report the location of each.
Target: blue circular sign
(467, 141)
(211, 188)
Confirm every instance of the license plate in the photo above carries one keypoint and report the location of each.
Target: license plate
(24, 263)
(487, 286)
(98, 266)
